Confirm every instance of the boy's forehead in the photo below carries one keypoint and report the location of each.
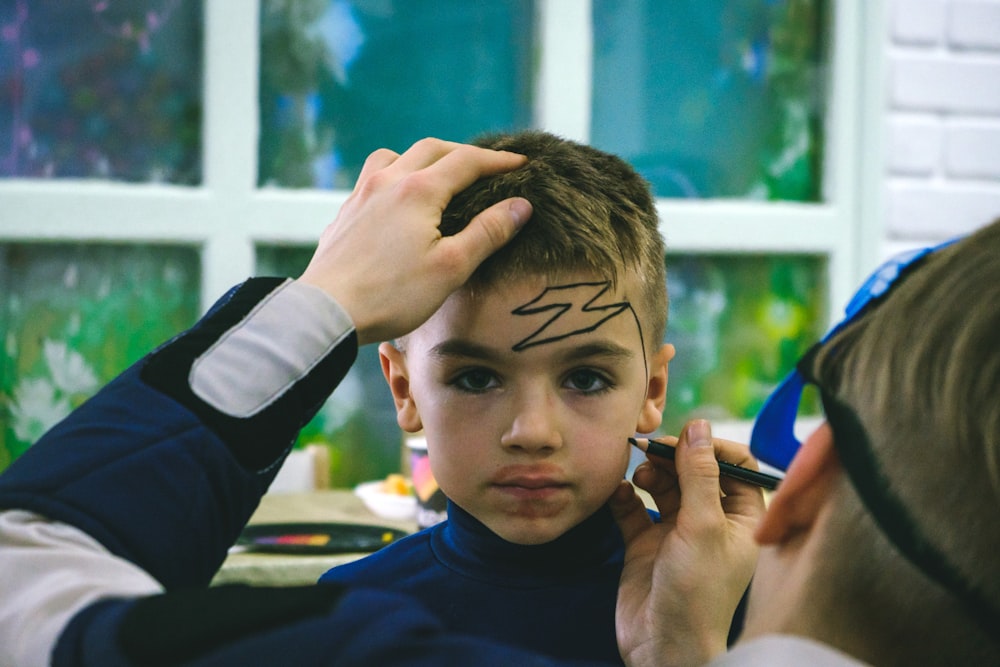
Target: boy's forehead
(535, 311)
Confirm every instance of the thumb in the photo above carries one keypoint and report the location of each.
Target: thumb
(698, 471)
(491, 229)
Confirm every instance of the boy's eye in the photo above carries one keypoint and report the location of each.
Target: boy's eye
(588, 381)
(476, 379)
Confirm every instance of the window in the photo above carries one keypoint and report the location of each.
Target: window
(101, 90)
(187, 147)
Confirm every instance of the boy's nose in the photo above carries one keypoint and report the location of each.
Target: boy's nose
(534, 427)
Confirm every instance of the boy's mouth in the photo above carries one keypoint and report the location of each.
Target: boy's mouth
(528, 482)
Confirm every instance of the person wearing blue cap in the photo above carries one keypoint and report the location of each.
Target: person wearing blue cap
(880, 544)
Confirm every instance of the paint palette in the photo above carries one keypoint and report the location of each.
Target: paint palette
(316, 538)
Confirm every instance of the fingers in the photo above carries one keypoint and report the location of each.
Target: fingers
(377, 161)
(487, 232)
(692, 472)
(698, 472)
(740, 500)
(685, 575)
(420, 155)
(629, 512)
(704, 494)
(725, 450)
(424, 153)
(444, 166)
(463, 165)
(391, 286)
(657, 479)
(734, 458)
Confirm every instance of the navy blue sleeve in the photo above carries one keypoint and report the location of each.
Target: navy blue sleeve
(312, 626)
(258, 440)
(154, 474)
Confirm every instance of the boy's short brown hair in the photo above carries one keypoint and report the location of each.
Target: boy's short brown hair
(592, 212)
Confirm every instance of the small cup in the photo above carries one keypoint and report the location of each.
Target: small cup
(432, 505)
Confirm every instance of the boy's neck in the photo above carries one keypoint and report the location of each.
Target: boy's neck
(593, 543)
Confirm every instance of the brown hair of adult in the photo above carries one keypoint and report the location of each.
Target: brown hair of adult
(591, 212)
(922, 373)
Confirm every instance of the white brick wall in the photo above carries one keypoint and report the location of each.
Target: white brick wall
(942, 118)
(974, 24)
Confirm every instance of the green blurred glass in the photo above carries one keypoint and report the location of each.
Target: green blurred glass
(358, 422)
(713, 98)
(739, 324)
(108, 90)
(707, 98)
(74, 316)
(342, 78)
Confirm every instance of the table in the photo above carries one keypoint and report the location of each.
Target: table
(333, 505)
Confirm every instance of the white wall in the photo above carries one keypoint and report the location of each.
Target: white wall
(942, 119)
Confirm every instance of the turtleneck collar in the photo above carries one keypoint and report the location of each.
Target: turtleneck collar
(467, 546)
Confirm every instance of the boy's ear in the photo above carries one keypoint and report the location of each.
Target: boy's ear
(802, 494)
(651, 413)
(397, 376)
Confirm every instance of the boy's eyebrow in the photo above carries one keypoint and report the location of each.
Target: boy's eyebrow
(607, 349)
(456, 347)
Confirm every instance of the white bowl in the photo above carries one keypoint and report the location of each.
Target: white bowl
(386, 505)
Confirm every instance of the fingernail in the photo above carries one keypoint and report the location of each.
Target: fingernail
(699, 433)
(520, 210)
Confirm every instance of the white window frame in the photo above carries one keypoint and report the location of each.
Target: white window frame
(227, 216)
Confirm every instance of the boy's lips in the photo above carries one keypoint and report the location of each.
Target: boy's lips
(529, 481)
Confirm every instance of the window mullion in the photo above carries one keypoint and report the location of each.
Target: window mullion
(230, 129)
(230, 93)
(562, 100)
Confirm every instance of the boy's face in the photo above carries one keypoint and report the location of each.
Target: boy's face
(527, 405)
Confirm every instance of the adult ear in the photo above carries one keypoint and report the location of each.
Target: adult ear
(397, 376)
(651, 413)
(804, 491)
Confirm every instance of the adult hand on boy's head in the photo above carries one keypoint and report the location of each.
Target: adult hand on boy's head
(684, 577)
(383, 258)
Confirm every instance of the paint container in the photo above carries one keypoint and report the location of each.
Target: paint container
(432, 506)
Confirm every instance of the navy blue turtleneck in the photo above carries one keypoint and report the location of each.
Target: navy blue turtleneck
(556, 598)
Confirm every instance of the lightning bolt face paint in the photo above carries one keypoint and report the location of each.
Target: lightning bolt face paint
(561, 302)
(527, 394)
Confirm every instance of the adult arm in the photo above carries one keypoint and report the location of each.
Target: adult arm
(156, 475)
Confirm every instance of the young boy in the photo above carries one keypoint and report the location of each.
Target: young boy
(112, 525)
(527, 383)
